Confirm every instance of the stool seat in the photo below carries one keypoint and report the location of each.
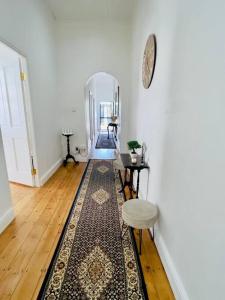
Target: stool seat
(139, 214)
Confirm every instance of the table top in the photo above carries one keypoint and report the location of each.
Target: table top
(113, 124)
(126, 160)
(68, 134)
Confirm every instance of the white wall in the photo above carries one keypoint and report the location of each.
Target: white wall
(28, 26)
(83, 50)
(104, 87)
(181, 119)
(6, 212)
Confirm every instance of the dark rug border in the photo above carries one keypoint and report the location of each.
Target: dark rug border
(55, 255)
(96, 147)
(140, 271)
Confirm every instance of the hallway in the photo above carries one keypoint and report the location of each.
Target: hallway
(28, 244)
(152, 69)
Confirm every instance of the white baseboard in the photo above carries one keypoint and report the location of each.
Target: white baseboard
(81, 158)
(6, 219)
(51, 171)
(172, 274)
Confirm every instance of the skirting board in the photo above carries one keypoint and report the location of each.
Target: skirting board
(6, 219)
(172, 274)
(81, 158)
(51, 171)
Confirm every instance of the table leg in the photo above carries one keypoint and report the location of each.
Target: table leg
(131, 183)
(125, 182)
(138, 178)
(116, 133)
(153, 233)
(75, 161)
(140, 240)
(69, 156)
(108, 131)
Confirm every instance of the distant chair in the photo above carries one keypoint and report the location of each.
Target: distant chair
(114, 119)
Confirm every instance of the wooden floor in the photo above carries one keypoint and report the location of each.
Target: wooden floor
(27, 245)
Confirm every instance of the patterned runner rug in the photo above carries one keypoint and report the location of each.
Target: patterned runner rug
(91, 260)
(104, 143)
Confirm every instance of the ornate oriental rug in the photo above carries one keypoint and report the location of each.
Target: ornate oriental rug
(91, 260)
(104, 143)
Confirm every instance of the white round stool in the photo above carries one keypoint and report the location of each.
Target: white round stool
(139, 214)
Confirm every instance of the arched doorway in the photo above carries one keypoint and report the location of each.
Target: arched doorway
(102, 106)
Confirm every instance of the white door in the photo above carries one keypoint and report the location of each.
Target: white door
(13, 125)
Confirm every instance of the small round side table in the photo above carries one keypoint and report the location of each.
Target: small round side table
(68, 156)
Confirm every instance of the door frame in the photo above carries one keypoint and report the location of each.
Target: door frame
(27, 109)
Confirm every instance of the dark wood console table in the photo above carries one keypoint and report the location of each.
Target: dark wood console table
(126, 160)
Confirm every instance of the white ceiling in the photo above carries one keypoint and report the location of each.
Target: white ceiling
(84, 10)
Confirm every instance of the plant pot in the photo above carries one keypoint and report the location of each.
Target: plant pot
(133, 157)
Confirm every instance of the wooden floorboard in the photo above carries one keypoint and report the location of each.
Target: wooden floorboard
(29, 242)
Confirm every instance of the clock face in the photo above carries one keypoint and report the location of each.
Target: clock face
(149, 61)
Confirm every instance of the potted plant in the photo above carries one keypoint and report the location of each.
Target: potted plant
(133, 145)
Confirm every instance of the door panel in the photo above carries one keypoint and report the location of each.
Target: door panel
(10, 157)
(15, 96)
(13, 126)
(4, 111)
(22, 153)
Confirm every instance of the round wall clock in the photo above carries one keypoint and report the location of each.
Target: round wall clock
(149, 61)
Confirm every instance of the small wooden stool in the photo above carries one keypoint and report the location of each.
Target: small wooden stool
(139, 214)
